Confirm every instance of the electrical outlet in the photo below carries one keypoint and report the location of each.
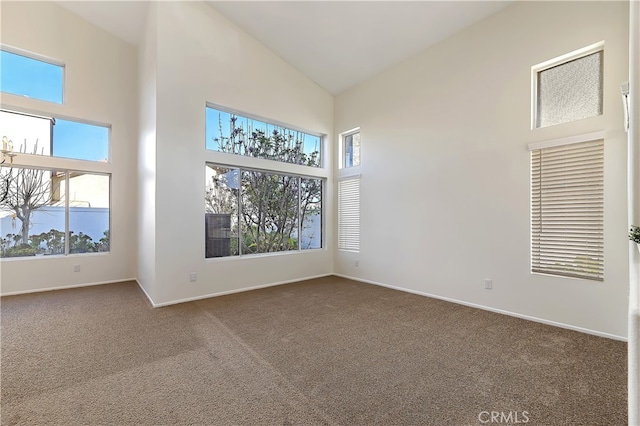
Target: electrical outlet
(488, 284)
(76, 268)
(193, 277)
(357, 262)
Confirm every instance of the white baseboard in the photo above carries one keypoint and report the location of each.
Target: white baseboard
(488, 308)
(64, 287)
(223, 293)
(240, 290)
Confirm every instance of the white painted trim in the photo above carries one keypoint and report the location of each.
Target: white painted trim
(65, 287)
(31, 55)
(341, 137)
(40, 58)
(633, 213)
(149, 299)
(594, 136)
(406, 290)
(587, 50)
(224, 293)
(354, 176)
(490, 309)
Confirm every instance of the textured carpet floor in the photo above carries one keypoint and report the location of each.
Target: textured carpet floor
(321, 352)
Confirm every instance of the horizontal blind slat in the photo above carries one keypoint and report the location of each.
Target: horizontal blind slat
(349, 214)
(567, 210)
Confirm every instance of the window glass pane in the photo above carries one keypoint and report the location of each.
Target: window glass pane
(88, 212)
(351, 150)
(32, 212)
(570, 91)
(28, 133)
(23, 76)
(72, 139)
(221, 207)
(269, 212)
(311, 213)
(250, 212)
(235, 134)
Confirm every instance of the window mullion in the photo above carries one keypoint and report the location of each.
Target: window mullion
(299, 213)
(239, 219)
(67, 235)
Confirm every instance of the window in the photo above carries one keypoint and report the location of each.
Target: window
(349, 214)
(251, 211)
(53, 212)
(33, 134)
(567, 208)
(350, 150)
(33, 78)
(237, 134)
(46, 209)
(569, 88)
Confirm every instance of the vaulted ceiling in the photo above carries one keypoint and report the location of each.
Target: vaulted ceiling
(337, 44)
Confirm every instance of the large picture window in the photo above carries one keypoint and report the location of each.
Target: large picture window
(53, 212)
(252, 211)
(237, 134)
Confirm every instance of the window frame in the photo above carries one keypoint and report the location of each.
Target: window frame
(49, 162)
(40, 58)
(356, 178)
(342, 156)
(299, 176)
(67, 209)
(322, 162)
(559, 60)
(561, 142)
(54, 117)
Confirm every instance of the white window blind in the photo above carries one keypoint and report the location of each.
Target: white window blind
(349, 214)
(567, 210)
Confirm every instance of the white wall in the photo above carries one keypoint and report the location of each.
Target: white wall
(146, 217)
(100, 86)
(445, 166)
(202, 57)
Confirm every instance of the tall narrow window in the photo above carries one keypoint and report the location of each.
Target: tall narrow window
(350, 150)
(567, 209)
(32, 78)
(349, 214)
(569, 88)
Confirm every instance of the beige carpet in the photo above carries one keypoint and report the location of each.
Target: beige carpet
(322, 352)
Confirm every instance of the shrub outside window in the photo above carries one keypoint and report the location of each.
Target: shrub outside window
(252, 211)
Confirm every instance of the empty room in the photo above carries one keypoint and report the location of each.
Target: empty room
(319, 213)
